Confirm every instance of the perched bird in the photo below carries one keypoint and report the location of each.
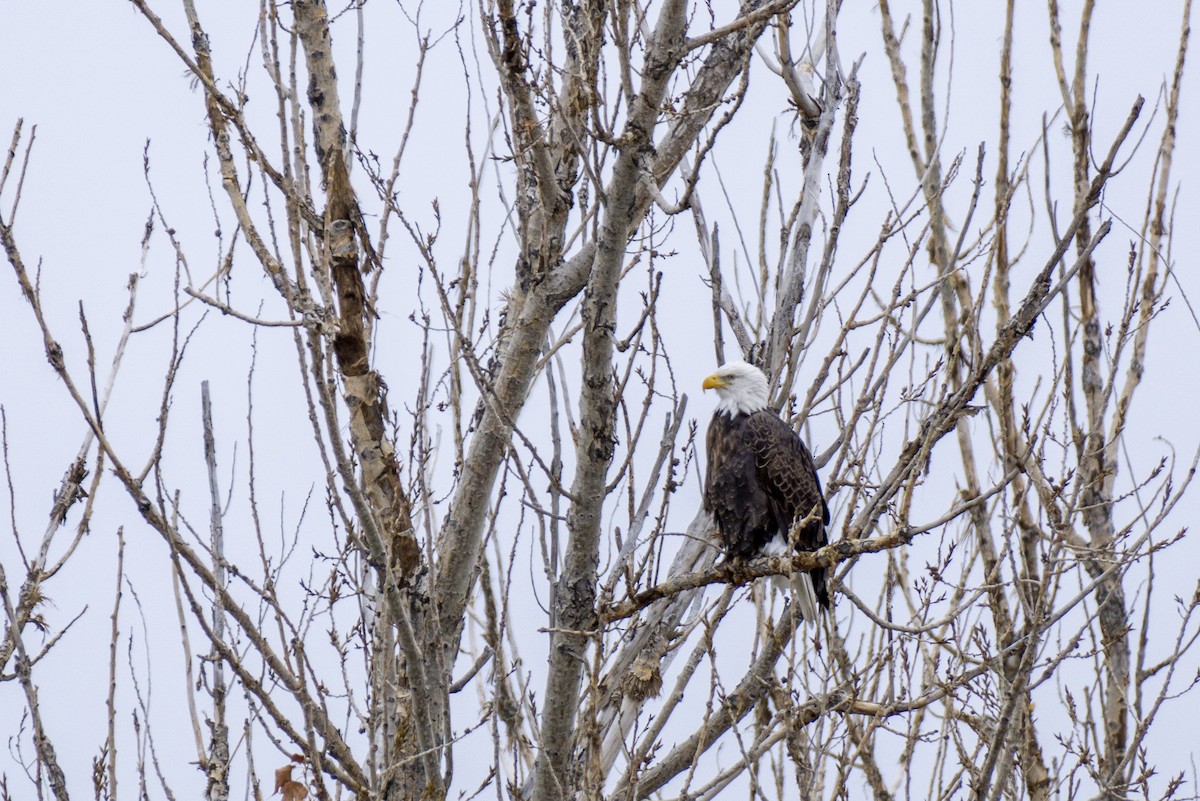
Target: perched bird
(762, 482)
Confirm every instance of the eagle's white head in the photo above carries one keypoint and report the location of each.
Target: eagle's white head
(741, 388)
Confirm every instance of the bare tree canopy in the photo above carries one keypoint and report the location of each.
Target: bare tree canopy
(369, 464)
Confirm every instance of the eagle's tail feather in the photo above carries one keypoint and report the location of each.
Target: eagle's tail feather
(804, 595)
(799, 585)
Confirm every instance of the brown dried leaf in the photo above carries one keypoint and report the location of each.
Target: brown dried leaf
(294, 791)
(283, 777)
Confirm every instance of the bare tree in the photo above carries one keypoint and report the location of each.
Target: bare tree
(493, 390)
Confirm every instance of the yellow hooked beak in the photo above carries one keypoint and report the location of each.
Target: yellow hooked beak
(714, 381)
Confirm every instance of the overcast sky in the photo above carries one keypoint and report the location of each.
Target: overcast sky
(105, 93)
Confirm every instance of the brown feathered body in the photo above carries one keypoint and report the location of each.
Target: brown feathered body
(761, 479)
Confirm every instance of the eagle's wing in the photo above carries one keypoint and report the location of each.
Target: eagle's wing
(787, 472)
(789, 477)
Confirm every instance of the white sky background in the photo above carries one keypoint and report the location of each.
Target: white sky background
(98, 84)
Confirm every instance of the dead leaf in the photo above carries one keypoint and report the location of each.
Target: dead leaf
(283, 777)
(294, 791)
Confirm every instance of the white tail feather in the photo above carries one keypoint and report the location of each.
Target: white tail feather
(798, 585)
(804, 595)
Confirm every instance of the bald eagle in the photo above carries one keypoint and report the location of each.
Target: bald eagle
(762, 481)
